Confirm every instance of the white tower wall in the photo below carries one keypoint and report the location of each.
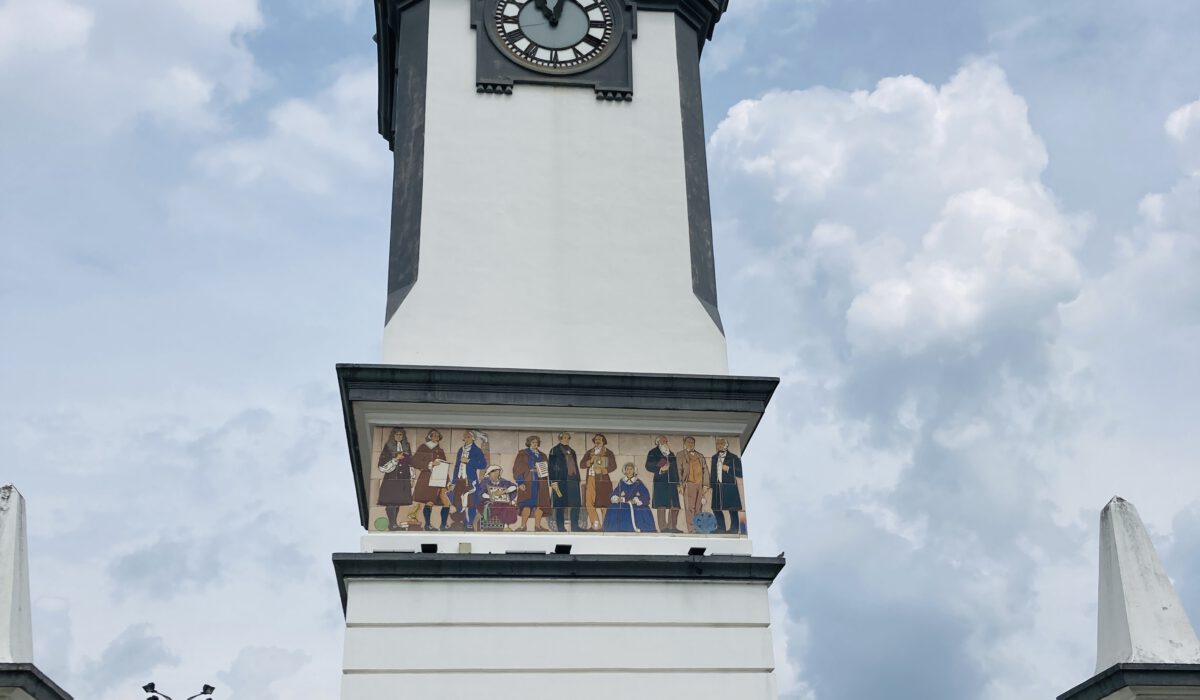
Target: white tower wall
(554, 227)
(458, 638)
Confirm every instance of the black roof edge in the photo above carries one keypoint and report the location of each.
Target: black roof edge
(592, 567)
(30, 679)
(1119, 676)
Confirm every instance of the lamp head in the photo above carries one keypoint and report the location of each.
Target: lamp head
(149, 687)
(207, 689)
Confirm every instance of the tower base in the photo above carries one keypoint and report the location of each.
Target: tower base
(548, 625)
(1140, 682)
(20, 681)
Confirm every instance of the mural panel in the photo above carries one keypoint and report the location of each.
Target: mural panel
(428, 478)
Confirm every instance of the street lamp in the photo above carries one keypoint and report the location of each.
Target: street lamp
(156, 694)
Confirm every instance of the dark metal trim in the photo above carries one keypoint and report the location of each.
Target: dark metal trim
(516, 387)
(1121, 676)
(496, 72)
(403, 27)
(513, 387)
(30, 679)
(695, 164)
(589, 567)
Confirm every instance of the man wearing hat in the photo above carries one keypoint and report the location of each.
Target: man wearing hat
(497, 499)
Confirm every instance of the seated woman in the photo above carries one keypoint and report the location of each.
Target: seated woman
(497, 499)
(630, 510)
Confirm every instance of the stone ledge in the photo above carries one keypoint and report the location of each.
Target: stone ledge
(1159, 679)
(32, 681)
(590, 567)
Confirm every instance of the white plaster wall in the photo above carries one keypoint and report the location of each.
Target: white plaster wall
(452, 638)
(554, 230)
(583, 686)
(433, 602)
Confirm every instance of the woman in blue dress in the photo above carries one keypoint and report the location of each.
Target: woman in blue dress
(630, 510)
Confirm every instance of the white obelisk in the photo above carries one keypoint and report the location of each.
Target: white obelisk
(16, 624)
(1141, 619)
(1146, 648)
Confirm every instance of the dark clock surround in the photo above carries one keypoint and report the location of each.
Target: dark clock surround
(402, 38)
(611, 78)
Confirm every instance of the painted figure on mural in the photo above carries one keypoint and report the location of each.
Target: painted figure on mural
(661, 462)
(469, 463)
(532, 472)
(597, 464)
(726, 469)
(395, 463)
(564, 483)
(430, 489)
(629, 505)
(497, 501)
(693, 474)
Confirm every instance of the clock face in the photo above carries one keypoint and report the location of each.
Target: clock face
(556, 36)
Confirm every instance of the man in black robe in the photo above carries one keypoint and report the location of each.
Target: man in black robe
(660, 462)
(565, 491)
(725, 470)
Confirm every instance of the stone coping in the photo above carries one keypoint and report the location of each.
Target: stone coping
(591, 567)
(30, 679)
(1121, 676)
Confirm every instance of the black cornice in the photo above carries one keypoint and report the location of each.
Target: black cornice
(519, 387)
(27, 677)
(593, 567)
(1121, 676)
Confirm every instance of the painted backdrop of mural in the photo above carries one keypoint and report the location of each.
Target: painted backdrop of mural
(547, 481)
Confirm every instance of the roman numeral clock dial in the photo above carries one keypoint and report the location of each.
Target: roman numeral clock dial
(556, 37)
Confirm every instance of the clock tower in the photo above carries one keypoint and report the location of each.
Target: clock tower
(548, 465)
(549, 169)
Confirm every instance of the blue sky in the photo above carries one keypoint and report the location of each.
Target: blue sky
(965, 234)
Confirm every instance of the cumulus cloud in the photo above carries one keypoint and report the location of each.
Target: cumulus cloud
(926, 265)
(34, 26)
(78, 66)
(128, 659)
(256, 670)
(1183, 126)
(311, 144)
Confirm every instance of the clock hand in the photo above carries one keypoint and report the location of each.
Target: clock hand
(558, 8)
(546, 11)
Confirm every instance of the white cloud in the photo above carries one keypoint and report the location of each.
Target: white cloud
(42, 26)
(993, 257)
(1184, 123)
(919, 265)
(311, 145)
(257, 669)
(1183, 126)
(99, 68)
